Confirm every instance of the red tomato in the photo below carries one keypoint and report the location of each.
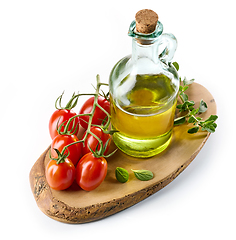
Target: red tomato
(60, 141)
(91, 171)
(98, 116)
(60, 176)
(93, 142)
(60, 116)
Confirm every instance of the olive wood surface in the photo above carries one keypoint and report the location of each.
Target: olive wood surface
(75, 205)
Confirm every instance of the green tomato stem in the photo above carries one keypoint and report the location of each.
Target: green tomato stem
(100, 152)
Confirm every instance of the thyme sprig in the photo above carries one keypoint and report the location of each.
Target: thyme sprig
(192, 115)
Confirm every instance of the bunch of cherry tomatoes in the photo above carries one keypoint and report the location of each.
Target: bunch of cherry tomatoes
(80, 160)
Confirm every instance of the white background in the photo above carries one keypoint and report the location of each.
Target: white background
(49, 46)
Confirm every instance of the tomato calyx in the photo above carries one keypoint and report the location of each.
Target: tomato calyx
(71, 104)
(66, 125)
(106, 131)
(105, 95)
(99, 151)
(101, 147)
(61, 156)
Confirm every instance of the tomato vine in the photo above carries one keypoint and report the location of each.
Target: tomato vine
(99, 151)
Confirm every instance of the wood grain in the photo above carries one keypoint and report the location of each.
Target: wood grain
(75, 205)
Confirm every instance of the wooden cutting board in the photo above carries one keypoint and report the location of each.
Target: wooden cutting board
(75, 205)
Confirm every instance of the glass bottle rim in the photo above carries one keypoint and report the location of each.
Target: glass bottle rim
(148, 36)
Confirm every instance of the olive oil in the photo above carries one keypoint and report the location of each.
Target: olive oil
(143, 89)
(143, 115)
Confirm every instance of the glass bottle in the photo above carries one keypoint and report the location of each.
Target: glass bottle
(143, 94)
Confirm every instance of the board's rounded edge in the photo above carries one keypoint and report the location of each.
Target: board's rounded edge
(39, 186)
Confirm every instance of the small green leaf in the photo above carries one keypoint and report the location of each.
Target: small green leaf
(179, 106)
(212, 118)
(143, 175)
(179, 120)
(191, 120)
(184, 96)
(215, 125)
(210, 127)
(209, 124)
(193, 130)
(176, 65)
(202, 106)
(206, 123)
(188, 82)
(187, 105)
(194, 111)
(122, 174)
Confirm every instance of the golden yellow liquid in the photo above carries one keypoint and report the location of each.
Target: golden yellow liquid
(145, 125)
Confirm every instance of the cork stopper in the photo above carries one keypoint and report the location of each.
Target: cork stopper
(146, 21)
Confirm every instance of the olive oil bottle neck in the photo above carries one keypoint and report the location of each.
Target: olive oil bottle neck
(144, 50)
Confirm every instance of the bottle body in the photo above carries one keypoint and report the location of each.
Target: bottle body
(143, 93)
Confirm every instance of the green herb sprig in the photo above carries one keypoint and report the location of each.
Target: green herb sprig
(193, 114)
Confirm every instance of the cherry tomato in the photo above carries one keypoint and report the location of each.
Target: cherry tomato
(60, 141)
(60, 176)
(90, 171)
(60, 116)
(93, 142)
(98, 116)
